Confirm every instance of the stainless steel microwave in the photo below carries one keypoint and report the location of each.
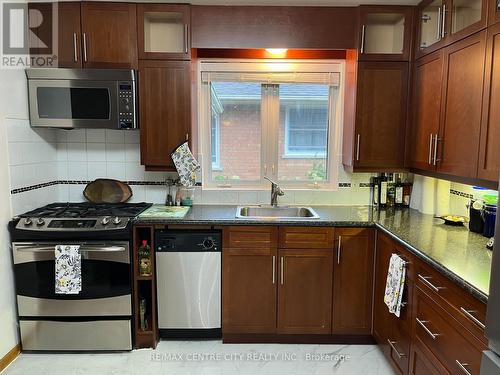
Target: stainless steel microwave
(82, 98)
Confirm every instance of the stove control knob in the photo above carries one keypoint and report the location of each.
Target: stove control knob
(105, 220)
(117, 220)
(28, 221)
(40, 222)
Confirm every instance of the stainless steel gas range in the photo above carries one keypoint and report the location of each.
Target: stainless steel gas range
(100, 316)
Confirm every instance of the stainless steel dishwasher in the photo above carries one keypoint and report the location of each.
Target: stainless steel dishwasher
(188, 272)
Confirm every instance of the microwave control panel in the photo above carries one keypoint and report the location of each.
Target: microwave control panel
(126, 105)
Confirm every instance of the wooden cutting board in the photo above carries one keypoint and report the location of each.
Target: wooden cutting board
(104, 190)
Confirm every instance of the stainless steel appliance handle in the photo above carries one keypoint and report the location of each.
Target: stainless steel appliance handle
(468, 314)
(186, 38)
(433, 335)
(462, 366)
(430, 148)
(443, 22)
(392, 345)
(498, 4)
(425, 280)
(362, 47)
(75, 52)
(339, 249)
(274, 269)
(358, 143)
(85, 47)
(282, 270)
(36, 248)
(438, 23)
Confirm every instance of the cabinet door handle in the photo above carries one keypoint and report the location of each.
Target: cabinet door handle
(186, 38)
(433, 335)
(443, 22)
(392, 345)
(339, 249)
(282, 276)
(469, 314)
(498, 5)
(438, 23)
(85, 47)
(187, 136)
(425, 280)
(274, 269)
(358, 143)
(75, 52)
(430, 148)
(436, 140)
(362, 47)
(463, 367)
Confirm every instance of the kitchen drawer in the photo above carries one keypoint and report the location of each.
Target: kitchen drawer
(461, 305)
(423, 362)
(457, 349)
(250, 237)
(306, 238)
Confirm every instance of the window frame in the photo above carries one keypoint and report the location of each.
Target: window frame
(269, 144)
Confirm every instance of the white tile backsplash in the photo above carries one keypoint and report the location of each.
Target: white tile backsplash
(96, 135)
(115, 136)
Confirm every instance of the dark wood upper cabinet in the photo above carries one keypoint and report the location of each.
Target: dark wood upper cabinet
(458, 141)
(165, 110)
(426, 109)
(489, 151)
(70, 36)
(353, 281)
(385, 33)
(305, 291)
(442, 22)
(249, 290)
(494, 11)
(378, 135)
(109, 35)
(163, 31)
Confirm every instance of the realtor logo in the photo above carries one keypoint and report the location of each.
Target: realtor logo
(29, 35)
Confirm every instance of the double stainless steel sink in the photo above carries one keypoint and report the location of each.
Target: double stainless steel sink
(276, 212)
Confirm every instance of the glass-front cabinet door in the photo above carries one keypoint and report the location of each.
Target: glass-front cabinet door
(432, 18)
(385, 33)
(494, 11)
(163, 31)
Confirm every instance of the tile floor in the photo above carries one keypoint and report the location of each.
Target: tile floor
(211, 358)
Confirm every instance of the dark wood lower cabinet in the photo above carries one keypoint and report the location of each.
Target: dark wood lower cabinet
(423, 362)
(305, 291)
(353, 281)
(249, 290)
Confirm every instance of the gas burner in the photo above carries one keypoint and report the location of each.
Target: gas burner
(81, 210)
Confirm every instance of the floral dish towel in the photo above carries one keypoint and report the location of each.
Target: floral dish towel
(68, 269)
(186, 165)
(395, 284)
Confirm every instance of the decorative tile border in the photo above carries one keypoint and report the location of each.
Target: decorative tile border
(461, 194)
(77, 182)
(132, 183)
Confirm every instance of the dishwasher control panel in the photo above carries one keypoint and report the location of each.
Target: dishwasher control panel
(187, 241)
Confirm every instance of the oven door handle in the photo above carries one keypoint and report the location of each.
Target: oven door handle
(35, 248)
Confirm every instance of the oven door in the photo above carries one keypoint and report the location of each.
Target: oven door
(106, 280)
(73, 103)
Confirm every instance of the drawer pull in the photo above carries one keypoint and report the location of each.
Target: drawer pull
(434, 336)
(463, 367)
(425, 280)
(468, 314)
(391, 344)
(274, 269)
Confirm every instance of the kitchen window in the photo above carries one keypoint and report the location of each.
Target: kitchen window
(274, 119)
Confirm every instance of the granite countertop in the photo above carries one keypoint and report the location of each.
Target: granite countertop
(454, 251)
